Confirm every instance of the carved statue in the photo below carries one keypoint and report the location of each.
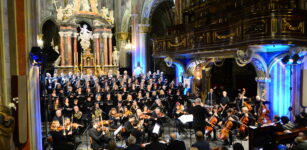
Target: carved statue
(60, 13)
(115, 56)
(7, 123)
(85, 5)
(111, 16)
(85, 36)
(57, 61)
(69, 10)
(104, 12)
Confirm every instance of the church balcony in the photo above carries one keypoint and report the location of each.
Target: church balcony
(270, 22)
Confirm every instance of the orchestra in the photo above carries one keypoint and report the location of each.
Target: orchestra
(102, 104)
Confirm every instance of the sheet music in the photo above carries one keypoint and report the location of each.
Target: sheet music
(186, 118)
(118, 130)
(156, 129)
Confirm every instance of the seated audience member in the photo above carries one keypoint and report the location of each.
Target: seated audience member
(277, 125)
(175, 144)
(300, 141)
(301, 120)
(286, 123)
(155, 144)
(132, 145)
(237, 146)
(201, 144)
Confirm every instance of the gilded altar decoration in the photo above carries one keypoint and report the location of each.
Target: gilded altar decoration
(7, 123)
(286, 25)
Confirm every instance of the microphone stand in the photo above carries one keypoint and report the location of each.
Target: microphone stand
(86, 130)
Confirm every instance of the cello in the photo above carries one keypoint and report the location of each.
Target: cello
(225, 131)
(213, 121)
(244, 121)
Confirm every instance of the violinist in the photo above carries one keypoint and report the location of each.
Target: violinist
(157, 117)
(114, 116)
(58, 116)
(177, 112)
(58, 138)
(98, 136)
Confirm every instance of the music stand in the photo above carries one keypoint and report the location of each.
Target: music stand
(187, 119)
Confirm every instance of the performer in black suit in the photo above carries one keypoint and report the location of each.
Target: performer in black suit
(211, 98)
(199, 115)
(98, 136)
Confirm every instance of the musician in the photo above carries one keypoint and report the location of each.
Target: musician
(175, 144)
(97, 113)
(224, 100)
(199, 115)
(240, 99)
(246, 119)
(157, 104)
(77, 115)
(58, 139)
(128, 127)
(212, 123)
(211, 98)
(176, 113)
(98, 136)
(58, 116)
(67, 109)
(234, 121)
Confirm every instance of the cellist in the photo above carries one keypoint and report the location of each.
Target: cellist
(230, 123)
(246, 119)
(212, 123)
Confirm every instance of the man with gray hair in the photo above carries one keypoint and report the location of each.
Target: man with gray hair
(131, 144)
(199, 115)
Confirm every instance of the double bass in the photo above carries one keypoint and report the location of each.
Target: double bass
(263, 111)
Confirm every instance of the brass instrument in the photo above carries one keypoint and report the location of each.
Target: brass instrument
(78, 115)
(97, 113)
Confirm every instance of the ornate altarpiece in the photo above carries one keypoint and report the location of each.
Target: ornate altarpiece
(96, 52)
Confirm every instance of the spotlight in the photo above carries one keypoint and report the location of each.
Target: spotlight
(285, 60)
(296, 59)
(290, 60)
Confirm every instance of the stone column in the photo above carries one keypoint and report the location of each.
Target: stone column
(75, 49)
(134, 41)
(121, 37)
(62, 48)
(110, 49)
(105, 48)
(96, 48)
(69, 48)
(141, 48)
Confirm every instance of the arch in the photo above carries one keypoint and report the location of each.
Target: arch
(260, 66)
(148, 9)
(50, 18)
(125, 21)
(275, 60)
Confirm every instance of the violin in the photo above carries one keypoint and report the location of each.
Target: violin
(225, 131)
(213, 121)
(143, 116)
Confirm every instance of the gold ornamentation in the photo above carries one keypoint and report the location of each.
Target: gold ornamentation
(287, 26)
(122, 36)
(177, 44)
(227, 36)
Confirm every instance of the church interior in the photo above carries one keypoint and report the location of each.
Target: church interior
(153, 75)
